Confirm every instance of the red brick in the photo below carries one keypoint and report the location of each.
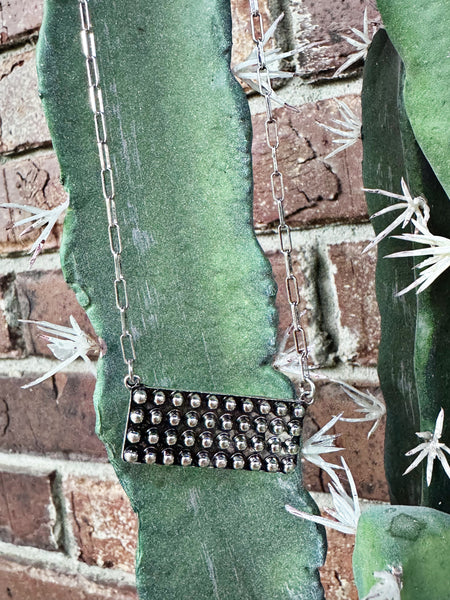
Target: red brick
(317, 190)
(242, 36)
(354, 277)
(22, 581)
(33, 182)
(55, 418)
(365, 457)
(337, 573)
(327, 21)
(104, 524)
(22, 120)
(27, 512)
(19, 19)
(45, 296)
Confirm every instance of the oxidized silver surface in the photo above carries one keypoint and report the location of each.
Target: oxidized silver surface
(173, 427)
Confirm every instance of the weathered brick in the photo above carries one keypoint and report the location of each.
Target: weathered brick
(337, 573)
(55, 418)
(45, 296)
(354, 278)
(11, 343)
(19, 19)
(21, 580)
(327, 21)
(33, 182)
(317, 190)
(104, 524)
(22, 122)
(363, 456)
(27, 512)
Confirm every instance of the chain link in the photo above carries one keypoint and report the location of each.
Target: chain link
(278, 193)
(108, 189)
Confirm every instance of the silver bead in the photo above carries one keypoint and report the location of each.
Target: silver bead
(192, 419)
(264, 407)
(220, 461)
(188, 438)
(171, 437)
(255, 463)
(209, 420)
(238, 461)
(206, 439)
(174, 417)
(260, 425)
(133, 436)
(247, 405)
(274, 445)
(272, 464)
(226, 422)
(292, 447)
(298, 411)
(203, 459)
(156, 416)
(159, 398)
(137, 416)
(281, 409)
(223, 441)
(258, 443)
(177, 399)
(185, 458)
(230, 404)
(196, 401)
(240, 442)
(288, 464)
(153, 436)
(139, 396)
(131, 456)
(295, 427)
(168, 457)
(277, 426)
(244, 423)
(150, 456)
(213, 402)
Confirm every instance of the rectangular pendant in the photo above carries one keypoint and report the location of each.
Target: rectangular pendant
(174, 427)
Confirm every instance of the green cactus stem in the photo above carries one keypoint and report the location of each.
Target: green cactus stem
(414, 362)
(415, 538)
(201, 293)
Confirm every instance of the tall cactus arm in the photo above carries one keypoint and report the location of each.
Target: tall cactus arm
(201, 294)
(414, 362)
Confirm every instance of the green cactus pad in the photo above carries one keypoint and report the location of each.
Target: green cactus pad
(201, 293)
(414, 362)
(417, 539)
(420, 31)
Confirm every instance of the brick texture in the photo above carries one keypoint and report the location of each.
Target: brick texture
(11, 344)
(19, 18)
(363, 456)
(55, 418)
(45, 296)
(354, 277)
(327, 21)
(22, 120)
(317, 190)
(104, 524)
(27, 513)
(32, 182)
(23, 582)
(337, 573)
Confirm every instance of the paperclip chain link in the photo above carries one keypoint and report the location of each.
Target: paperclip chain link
(107, 179)
(278, 193)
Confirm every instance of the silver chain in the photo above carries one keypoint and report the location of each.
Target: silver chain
(278, 193)
(107, 178)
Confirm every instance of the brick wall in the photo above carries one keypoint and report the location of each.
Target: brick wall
(62, 514)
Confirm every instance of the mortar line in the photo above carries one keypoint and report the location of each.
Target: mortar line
(48, 261)
(29, 464)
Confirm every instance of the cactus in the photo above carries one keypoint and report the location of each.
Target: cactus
(201, 294)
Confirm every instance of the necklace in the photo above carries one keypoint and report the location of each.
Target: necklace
(186, 428)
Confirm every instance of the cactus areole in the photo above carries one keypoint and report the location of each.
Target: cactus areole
(159, 248)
